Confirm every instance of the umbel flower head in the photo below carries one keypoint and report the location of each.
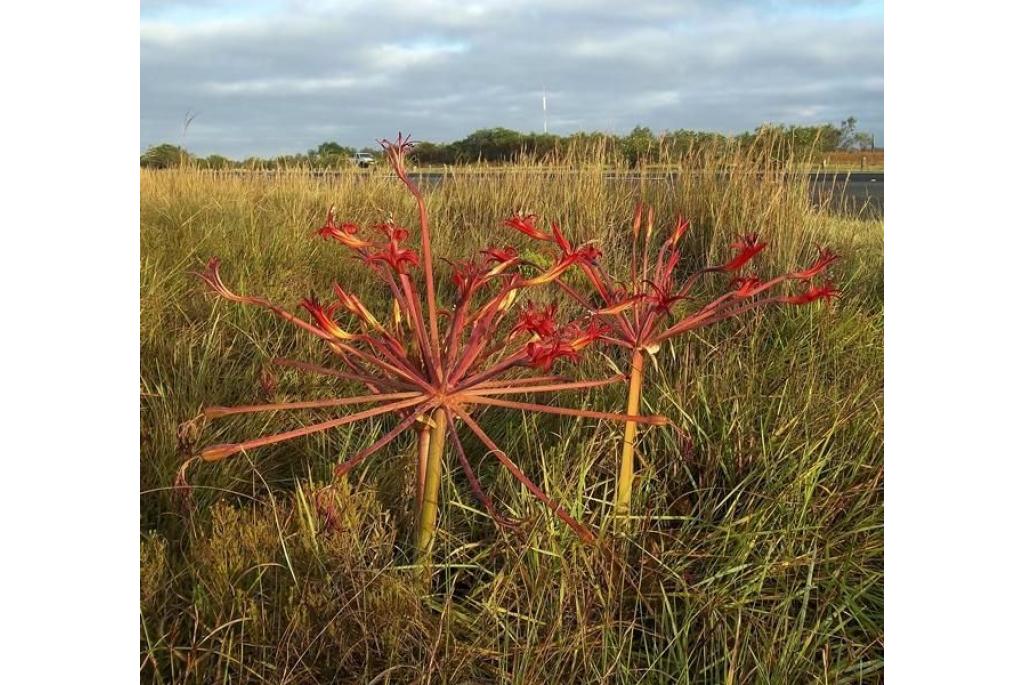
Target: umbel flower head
(654, 303)
(649, 309)
(426, 373)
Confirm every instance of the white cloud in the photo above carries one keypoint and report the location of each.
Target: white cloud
(283, 86)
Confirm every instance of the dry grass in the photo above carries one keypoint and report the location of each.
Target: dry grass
(757, 555)
(841, 160)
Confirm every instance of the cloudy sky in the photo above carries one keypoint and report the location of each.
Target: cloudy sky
(269, 77)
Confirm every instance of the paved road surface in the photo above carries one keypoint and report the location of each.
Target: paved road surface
(854, 193)
(857, 193)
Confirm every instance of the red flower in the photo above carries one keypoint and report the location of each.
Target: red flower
(395, 257)
(211, 276)
(748, 247)
(323, 319)
(620, 302)
(662, 299)
(397, 151)
(746, 287)
(343, 233)
(822, 292)
(544, 354)
(539, 322)
(825, 258)
(524, 224)
(560, 239)
(355, 307)
(501, 258)
(682, 226)
(392, 231)
(554, 272)
(587, 253)
(638, 216)
(394, 254)
(500, 254)
(566, 343)
(580, 338)
(466, 276)
(663, 273)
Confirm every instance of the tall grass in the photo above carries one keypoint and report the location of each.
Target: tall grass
(758, 554)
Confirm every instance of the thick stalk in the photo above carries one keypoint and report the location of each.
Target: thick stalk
(431, 486)
(422, 450)
(624, 488)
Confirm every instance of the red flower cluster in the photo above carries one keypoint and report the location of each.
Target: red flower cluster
(662, 299)
(585, 255)
(619, 301)
(324, 320)
(682, 226)
(748, 247)
(353, 305)
(539, 322)
(500, 258)
(826, 292)
(565, 343)
(467, 275)
(344, 233)
(428, 365)
(524, 223)
(825, 259)
(393, 254)
(638, 310)
(746, 286)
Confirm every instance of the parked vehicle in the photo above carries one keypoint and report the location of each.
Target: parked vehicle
(363, 160)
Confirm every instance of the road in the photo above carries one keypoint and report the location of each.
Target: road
(855, 193)
(860, 193)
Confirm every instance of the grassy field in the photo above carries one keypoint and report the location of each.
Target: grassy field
(756, 555)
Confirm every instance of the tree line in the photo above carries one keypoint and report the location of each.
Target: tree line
(502, 145)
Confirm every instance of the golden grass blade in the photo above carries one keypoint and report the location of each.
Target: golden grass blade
(383, 441)
(474, 483)
(514, 469)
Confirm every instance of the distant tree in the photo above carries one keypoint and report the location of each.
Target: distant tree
(431, 153)
(215, 162)
(848, 134)
(864, 141)
(539, 145)
(291, 161)
(331, 148)
(830, 138)
(505, 145)
(683, 141)
(489, 145)
(256, 163)
(639, 145)
(164, 156)
(330, 155)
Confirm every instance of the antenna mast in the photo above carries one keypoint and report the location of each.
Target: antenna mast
(544, 106)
